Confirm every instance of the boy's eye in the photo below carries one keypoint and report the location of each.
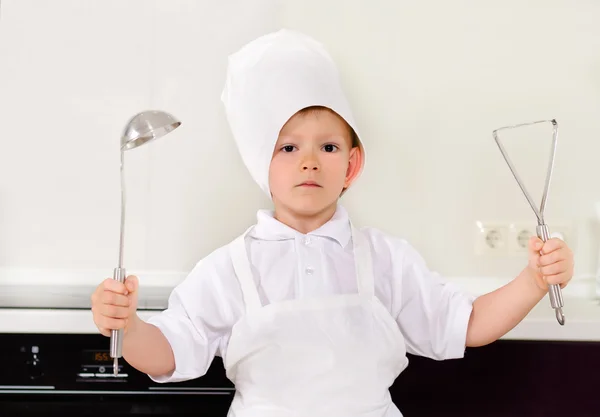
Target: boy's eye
(330, 148)
(288, 148)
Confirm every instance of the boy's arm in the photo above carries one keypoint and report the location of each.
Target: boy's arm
(185, 338)
(147, 349)
(496, 313)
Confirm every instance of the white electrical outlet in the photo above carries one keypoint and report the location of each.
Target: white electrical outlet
(491, 239)
(520, 233)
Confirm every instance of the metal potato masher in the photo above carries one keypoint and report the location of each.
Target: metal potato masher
(554, 290)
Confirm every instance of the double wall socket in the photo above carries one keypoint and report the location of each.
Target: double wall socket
(510, 239)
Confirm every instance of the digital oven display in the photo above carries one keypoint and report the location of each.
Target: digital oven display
(96, 357)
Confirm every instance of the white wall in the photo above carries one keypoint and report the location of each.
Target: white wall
(72, 74)
(429, 82)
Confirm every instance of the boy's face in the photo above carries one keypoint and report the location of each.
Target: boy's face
(313, 161)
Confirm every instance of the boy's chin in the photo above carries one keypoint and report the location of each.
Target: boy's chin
(308, 205)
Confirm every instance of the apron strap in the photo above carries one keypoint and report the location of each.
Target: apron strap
(363, 263)
(243, 271)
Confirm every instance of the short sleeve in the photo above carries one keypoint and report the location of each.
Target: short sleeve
(197, 320)
(434, 314)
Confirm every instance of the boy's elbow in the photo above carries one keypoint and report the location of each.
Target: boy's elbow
(474, 340)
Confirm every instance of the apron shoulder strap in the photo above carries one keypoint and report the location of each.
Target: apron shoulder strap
(243, 271)
(363, 263)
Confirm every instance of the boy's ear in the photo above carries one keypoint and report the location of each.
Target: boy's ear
(354, 166)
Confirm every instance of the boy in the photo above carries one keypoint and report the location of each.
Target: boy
(311, 316)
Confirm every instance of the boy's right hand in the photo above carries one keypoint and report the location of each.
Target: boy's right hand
(114, 304)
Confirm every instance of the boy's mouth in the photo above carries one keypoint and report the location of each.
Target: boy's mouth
(309, 184)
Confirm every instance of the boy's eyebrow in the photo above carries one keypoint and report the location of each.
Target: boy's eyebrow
(334, 136)
(286, 138)
(323, 136)
(337, 137)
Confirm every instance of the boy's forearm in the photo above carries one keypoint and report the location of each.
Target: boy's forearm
(147, 349)
(496, 313)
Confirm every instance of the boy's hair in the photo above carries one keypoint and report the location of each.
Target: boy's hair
(353, 135)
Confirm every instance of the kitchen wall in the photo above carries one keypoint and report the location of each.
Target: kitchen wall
(428, 81)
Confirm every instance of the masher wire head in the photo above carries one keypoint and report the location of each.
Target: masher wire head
(538, 212)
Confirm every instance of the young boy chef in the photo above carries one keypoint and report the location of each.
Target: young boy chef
(312, 316)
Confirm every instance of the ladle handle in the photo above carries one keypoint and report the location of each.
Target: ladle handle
(554, 290)
(116, 336)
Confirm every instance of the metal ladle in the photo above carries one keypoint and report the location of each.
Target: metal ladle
(141, 129)
(554, 291)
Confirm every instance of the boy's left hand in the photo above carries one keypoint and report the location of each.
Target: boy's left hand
(551, 262)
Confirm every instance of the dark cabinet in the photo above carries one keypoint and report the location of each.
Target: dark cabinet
(505, 379)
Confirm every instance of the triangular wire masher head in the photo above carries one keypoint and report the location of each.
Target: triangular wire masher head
(538, 212)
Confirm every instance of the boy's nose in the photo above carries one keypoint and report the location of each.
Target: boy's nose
(310, 166)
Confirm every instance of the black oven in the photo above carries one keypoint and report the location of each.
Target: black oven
(50, 374)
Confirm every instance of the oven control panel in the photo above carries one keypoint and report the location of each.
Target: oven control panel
(81, 362)
(97, 363)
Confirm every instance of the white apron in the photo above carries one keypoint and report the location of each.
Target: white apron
(333, 356)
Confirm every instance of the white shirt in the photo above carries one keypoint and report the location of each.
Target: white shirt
(432, 314)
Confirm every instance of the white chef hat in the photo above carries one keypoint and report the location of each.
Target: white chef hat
(268, 81)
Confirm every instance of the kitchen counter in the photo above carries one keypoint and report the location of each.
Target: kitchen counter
(582, 323)
(582, 308)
